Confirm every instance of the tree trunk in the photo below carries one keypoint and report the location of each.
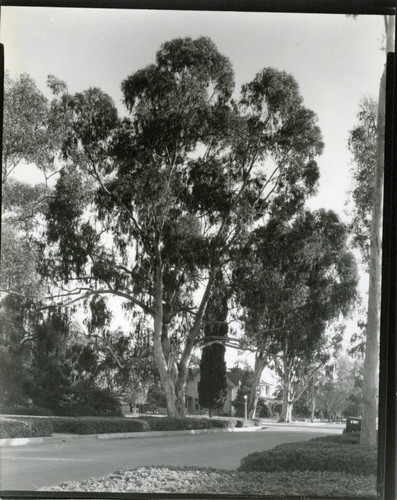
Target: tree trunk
(313, 409)
(370, 380)
(260, 363)
(286, 409)
(167, 380)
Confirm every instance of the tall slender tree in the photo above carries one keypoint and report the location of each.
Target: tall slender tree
(212, 387)
(375, 207)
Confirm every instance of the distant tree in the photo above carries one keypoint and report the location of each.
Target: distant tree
(246, 379)
(15, 353)
(212, 387)
(26, 112)
(32, 137)
(294, 278)
(337, 394)
(362, 144)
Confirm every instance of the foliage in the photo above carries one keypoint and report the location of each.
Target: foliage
(105, 425)
(156, 398)
(19, 428)
(293, 278)
(314, 455)
(296, 273)
(362, 144)
(340, 394)
(15, 353)
(84, 398)
(193, 480)
(167, 423)
(150, 206)
(244, 389)
(351, 438)
(98, 425)
(44, 350)
(25, 410)
(31, 135)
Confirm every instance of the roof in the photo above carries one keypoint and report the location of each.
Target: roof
(234, 377)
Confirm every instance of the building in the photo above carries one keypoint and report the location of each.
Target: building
(192, 405)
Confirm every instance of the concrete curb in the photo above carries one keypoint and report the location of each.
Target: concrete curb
(64, 438)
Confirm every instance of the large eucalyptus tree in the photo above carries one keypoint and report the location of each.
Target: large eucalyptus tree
(151, 206)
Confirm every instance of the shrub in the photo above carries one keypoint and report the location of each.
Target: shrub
(85, 399)
(178, 424)
(105, 425)
(19, 428)
(350, 438)
(26, 410)
(98, 425)
(320, 454)
(209, 481)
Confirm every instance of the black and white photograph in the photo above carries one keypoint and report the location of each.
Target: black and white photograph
(191, 251)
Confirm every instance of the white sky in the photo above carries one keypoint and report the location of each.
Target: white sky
(335, 59)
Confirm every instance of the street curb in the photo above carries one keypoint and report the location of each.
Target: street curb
(64, 438)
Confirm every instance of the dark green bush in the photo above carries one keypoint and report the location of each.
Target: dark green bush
(20, 428)
(26, 410)
(320, 454)
(98, 425)
(105, 425)
(85, 399)
(350, 438)
(178, 424)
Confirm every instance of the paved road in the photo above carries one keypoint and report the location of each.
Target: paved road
(39, 465)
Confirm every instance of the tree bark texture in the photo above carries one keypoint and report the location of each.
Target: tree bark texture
(287, 406)
(260, 363)
(370, 380)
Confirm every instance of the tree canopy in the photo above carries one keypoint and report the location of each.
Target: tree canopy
(150, 207)
(294, 278)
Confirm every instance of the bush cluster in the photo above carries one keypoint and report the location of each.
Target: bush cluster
(97, 425)
(19, 428)
(332, 453)
(193, 480)
(105, 425)
(178, 424)
(85, 399)
(26, 410)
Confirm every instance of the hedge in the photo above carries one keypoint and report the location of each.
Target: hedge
(20, 428)
(333, 454)
(178, 424)
(97, 425)
(107, 425)
(104, 425)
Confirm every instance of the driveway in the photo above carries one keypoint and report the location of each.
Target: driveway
(39, 465)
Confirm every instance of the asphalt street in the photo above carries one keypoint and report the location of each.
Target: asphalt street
(39, 465)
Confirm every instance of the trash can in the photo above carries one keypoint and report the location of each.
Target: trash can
(353, 424)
